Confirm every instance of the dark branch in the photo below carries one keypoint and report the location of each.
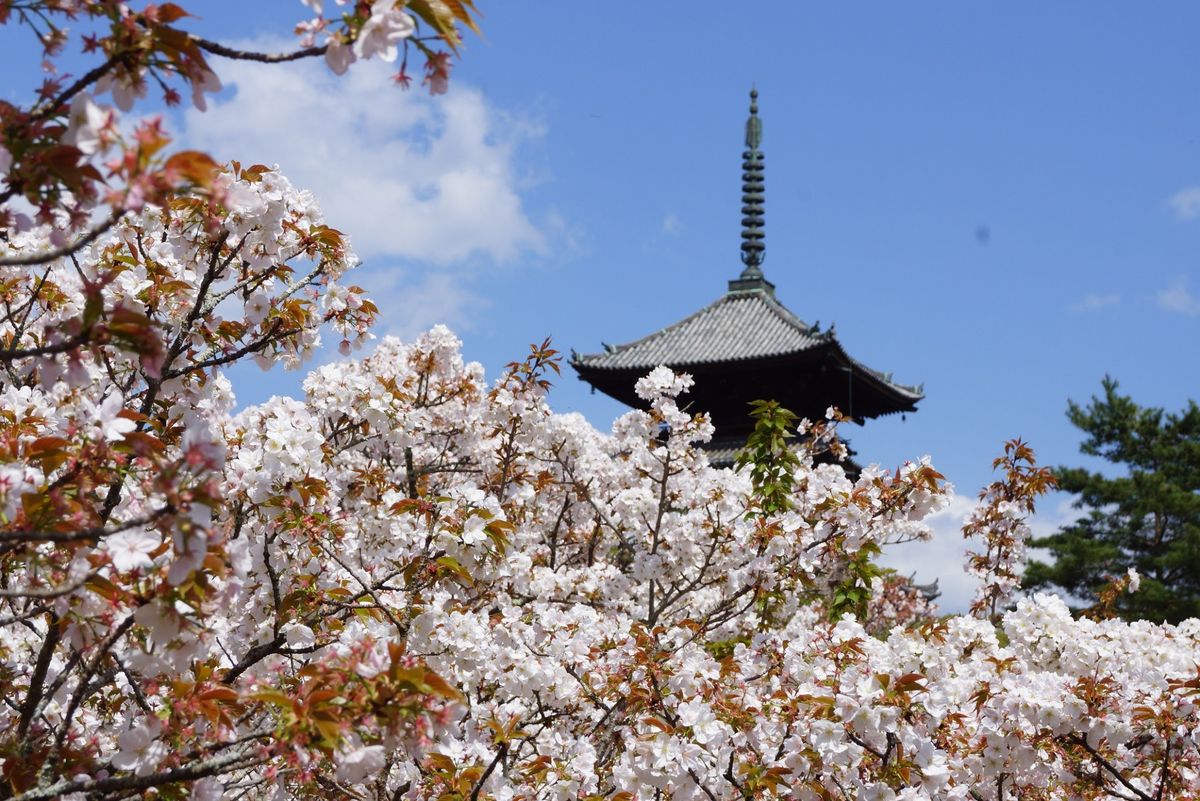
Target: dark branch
(45, 350)
(272, 336)
(216, 48)
(487, 773)
(1108, 766)
(65, 250)
(48, 592)
(34, 696)
(253, 656)
(199, 770)
(96, 533)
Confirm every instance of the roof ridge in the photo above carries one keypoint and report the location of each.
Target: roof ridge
(694, 340)
(789, 316)
(666, 328)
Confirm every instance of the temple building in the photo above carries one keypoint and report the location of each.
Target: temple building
(748, 346)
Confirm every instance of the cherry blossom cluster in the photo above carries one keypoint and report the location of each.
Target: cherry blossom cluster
(617, 624)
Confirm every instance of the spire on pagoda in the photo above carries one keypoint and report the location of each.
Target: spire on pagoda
(753, 187)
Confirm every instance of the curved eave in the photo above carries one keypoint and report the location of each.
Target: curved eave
(585, 364)
(881, 380)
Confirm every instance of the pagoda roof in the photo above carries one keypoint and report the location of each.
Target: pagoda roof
(743, 325)
(738, 326)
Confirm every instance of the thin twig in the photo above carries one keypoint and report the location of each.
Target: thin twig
(89, 77)
(48, 592)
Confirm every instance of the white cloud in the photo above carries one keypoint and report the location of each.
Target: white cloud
(406, 175)
(1179, 299)
(1186, 203)
(672, 225)
(1095, 303)
(940, 558)
(570, 240)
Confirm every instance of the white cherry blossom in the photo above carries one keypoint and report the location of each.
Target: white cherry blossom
(388, 24)
(360, 764)
(140, 748)
(131, 549)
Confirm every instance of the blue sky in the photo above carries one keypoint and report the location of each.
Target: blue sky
(1000, 201)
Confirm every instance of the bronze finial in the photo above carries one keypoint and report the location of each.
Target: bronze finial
(753, 123)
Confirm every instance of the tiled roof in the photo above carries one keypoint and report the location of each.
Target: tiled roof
(740, 325)
(722, 451)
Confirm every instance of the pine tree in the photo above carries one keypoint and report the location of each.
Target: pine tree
(1147, 519)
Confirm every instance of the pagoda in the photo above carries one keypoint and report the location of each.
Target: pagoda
(747, 346)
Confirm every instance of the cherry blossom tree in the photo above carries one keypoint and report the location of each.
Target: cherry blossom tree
(412, 583)
(113, 449)
(621, 619)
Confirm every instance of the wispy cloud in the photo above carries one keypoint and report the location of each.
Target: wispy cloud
(1095, 303)
(407, 176)
(416, 303)
(1179, 299)
(1185, 203)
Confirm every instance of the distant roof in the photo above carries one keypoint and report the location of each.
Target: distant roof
(738, 326)
(745, 324)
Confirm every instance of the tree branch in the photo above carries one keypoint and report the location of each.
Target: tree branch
(125, 783)
(272, 336)
(487, 773)
(95, 533)
(65, 250)
(216, 48)
(1108, 766)
(253, 656)
(34, 695)
(13, 354)
(48, 592)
